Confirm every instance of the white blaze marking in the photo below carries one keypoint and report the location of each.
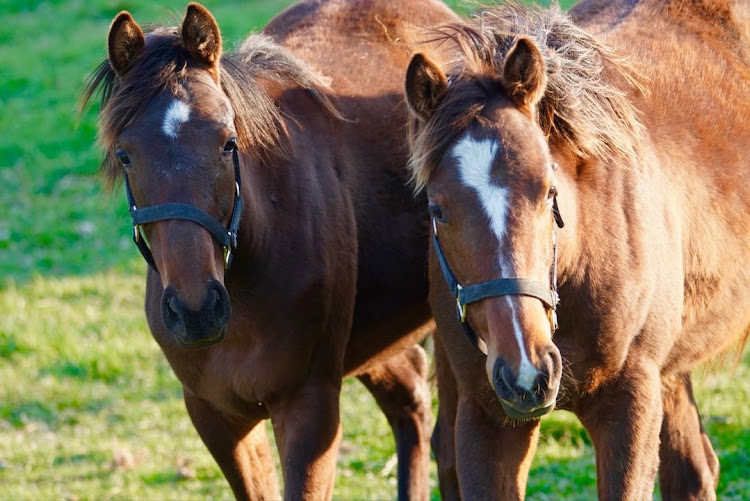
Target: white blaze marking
(177, 114)
(475, 160)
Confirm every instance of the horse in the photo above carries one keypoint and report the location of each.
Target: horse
(287, 160)
(590, 235)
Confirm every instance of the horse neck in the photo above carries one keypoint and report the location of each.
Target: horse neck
(289, 196)
(270, 180)
(588, 189)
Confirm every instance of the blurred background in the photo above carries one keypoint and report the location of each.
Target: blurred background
(89, 408)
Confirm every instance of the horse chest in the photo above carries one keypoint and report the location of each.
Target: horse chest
(239, 377)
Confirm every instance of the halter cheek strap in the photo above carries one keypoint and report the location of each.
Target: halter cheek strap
(465, 295)
(227, 237)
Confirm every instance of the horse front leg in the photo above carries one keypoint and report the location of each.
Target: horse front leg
(689, 468)
(444, 435)
(624, 417)
(241, 450)
(307, 428)
(493, 456)
(400, 388)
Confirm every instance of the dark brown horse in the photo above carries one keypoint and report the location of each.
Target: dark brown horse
(286, 159)
(600, 155)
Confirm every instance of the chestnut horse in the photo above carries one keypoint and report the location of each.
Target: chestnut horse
(598, 156)
(288, 160)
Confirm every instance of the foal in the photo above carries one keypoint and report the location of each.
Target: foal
(286, 160)
(558, 171)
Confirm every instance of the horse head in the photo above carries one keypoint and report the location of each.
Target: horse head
(169, 127)
(485, 164)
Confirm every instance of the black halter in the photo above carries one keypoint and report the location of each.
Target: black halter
(500, 286)
(227, 237)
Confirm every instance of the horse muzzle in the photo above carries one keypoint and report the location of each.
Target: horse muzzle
(193, 328)
(528, 401)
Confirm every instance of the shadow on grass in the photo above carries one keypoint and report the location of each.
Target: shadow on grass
(61, 412)
(67, 479)
(86, 370)
(96, 457)
(67, 409)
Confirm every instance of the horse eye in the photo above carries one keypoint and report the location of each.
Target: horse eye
(437, 213)
(230, 146)
(123, 158)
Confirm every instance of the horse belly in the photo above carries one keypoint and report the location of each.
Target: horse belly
(716, 305)
(716, 319)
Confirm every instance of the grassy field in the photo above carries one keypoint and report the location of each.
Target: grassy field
(89, 409)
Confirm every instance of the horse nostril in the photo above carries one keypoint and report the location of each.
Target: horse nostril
(218, 303)
(501, 376)
(502, 379)
(171, 312)
(553, 366)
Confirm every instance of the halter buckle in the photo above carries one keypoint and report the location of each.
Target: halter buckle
(136, 233)
(227, 257)
(461, 311)
(459, 306)
(553, 321)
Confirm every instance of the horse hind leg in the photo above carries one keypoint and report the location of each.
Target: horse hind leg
(242, 451)
(689, 468)
(401, 390)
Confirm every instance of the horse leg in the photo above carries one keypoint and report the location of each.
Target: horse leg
(307, 428)
(689, 467)
(242, 450)
(623, 417)
(493, 459)
(400, 388)
(443, 437)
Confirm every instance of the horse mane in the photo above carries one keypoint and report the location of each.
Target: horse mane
(163, 66)
(585, 107)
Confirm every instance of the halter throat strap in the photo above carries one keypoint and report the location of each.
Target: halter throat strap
(227, 237)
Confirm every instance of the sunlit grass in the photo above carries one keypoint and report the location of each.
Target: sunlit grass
(90, 409)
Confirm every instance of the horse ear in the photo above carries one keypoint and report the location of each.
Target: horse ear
(124, 43)
(201, 36)
(525, 73)
(425, 86)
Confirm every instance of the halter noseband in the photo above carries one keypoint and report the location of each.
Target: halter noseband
(500, 286)
(227, 237)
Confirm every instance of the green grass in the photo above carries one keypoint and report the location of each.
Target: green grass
(89, 408)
